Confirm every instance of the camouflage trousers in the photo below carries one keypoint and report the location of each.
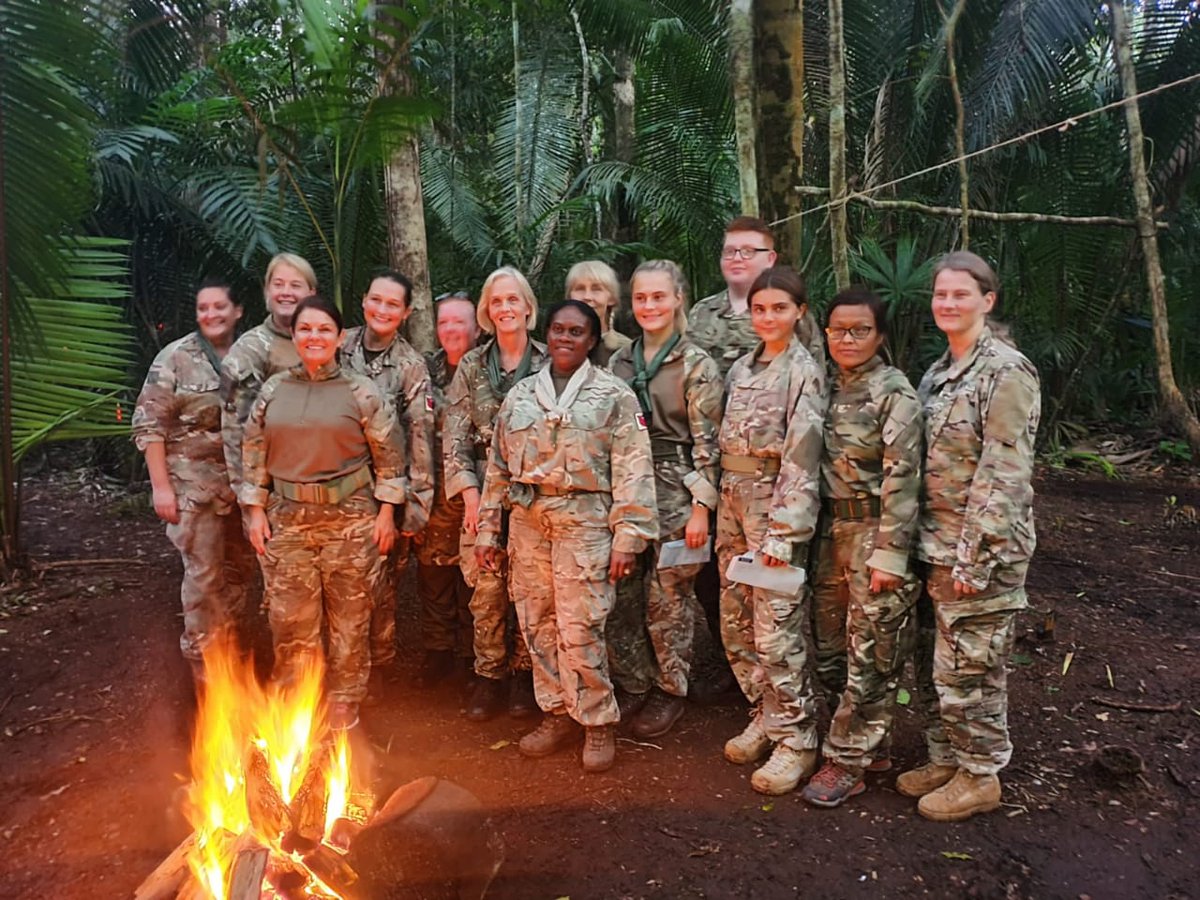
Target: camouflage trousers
(322, 568)
(218, 571)
(560, 549)
(861, 641)
(498, 643)
(651, 626)
(445, 617)
(964, 660)
(763, 631)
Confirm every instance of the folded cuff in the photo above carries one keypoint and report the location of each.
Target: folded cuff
(891, 561)
(701, 489)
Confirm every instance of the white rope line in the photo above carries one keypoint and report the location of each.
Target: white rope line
(1057, 126)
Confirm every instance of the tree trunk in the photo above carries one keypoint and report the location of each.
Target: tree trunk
(1172, 398)
(960, 117)
(624, 149)
(408, 249)
(741, 75)
(838, 238)
(779, 37)
(9, 512)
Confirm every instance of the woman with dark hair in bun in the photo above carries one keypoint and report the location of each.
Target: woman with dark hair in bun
(323, 464)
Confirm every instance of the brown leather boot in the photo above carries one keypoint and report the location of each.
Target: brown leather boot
(599, 748)
(929, 777)
(658, 716)
(555, 733)
(961, 797)
(487, 699)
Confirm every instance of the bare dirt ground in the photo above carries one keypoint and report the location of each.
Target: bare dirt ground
(95, 706)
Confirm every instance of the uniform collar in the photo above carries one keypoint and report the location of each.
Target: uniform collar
(949, 369)
(329, 370)
(859, 372)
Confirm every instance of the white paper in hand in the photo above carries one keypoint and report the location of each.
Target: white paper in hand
(749, 568)
(678, 553)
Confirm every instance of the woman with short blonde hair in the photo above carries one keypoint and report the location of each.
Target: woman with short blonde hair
(520, 286)
(595, 283)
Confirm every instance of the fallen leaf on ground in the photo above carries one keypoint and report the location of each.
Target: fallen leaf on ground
(500, 745)
(1067, 661)
(903, 697)
(954, 854)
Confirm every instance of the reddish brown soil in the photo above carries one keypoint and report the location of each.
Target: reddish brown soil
(95, 707)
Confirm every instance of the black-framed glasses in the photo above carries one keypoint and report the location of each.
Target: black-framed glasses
(743, 252)
(857, 333)
(452, 295)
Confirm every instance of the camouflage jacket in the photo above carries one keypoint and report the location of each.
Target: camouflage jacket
(599, 444)
(687, 396)
(471, 411)
(348, 425)
(981, 418)
(437, 545)
(180, 406)
(873, 448)
(728, 336)
(258, 354)
(779, 412)
(400, 374)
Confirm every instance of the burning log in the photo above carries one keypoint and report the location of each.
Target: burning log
(329, 866)
(268, 813)
(432, 839)
(165, 881)
(308, 806)
(287, 878)
(249, 867)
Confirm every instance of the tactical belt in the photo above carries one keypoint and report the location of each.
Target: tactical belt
(856, 508)
(763, 466)
(660, 450)
(545, 490)
(334, 490)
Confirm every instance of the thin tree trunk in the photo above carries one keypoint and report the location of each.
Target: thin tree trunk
(741, 72)
(1172, 398)
(838, 236)
(585, 112)
(960, 117)
(10, 543)
(624, 149)
(408, 250)
(518, 124)
(779, 39)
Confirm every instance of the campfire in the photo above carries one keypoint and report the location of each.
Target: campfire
(272, 801)
(280, 811)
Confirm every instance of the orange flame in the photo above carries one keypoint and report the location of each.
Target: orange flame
(287, 723)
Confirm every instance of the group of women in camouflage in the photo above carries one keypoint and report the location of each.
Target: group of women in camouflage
(586, 480)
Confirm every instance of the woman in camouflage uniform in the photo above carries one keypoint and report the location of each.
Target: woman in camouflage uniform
(982, 404)
(378, 351)
(864, 587)
(595, 283)
(508, 311)
(571, 458)
(680, 392)
(177, 425)
(770, 464)
(313, 437)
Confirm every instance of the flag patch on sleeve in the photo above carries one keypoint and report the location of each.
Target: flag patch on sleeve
(641, 420)
(429, 402)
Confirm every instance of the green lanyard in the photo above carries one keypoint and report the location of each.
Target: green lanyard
(643, 374)
(210, 352)
(495, 375)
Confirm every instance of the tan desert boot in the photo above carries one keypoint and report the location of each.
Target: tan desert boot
(962, 797)
(929, 777)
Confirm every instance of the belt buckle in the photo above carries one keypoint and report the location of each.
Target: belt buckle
(310, 493)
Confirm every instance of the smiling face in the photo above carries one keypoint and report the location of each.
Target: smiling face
(286, 287)
(774, 314)
(217, 316)
(593, 292)
(385, 307)
(317, 338)
(846, 350)
(569, 339)
(655, 302)
(960, 307)
(506, 307)
(740, 273)
(457, 329)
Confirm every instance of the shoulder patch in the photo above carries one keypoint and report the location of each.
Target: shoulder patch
(429, 402)
(641, 421)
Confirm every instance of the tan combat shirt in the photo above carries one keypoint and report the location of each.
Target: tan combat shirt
(728, 336)
(315, 429)
(779, 413)
(180, 406)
